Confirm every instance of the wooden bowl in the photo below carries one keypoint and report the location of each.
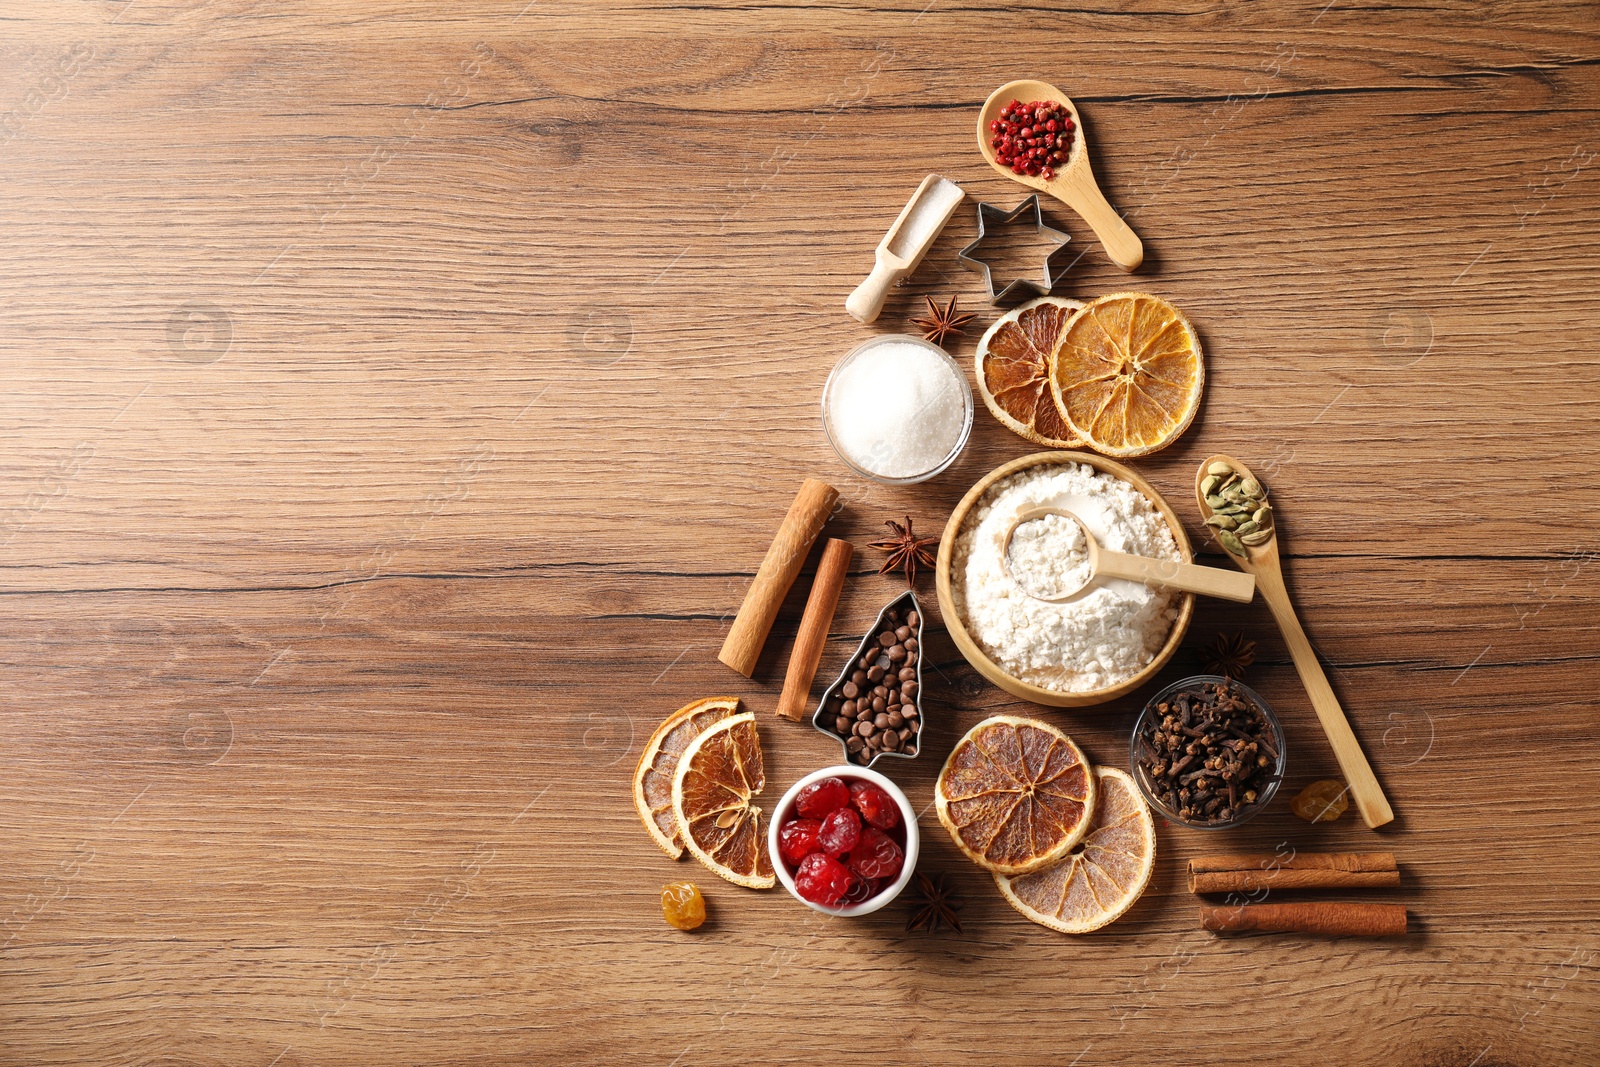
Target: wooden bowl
(958, 627)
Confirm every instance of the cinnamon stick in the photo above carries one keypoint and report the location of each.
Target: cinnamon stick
(1328, 920)
(778, 570)
(1251, 871)
(814, 623)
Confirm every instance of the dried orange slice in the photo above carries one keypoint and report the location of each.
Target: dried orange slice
(1104, 875)
(718, 775)
(1013, 369)
(1127, 374)
(1015, 794)
(652, 779)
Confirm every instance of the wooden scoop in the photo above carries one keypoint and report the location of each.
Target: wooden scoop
(908, 240)
(1207, 581)
(1262, 561)
(1074, 183)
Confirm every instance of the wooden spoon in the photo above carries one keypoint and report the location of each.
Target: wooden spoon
(1074, 183)
(1262, 561)
(1171, 574)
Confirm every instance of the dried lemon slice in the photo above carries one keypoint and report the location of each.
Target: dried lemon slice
(1102, 877)
(1015, 794)
(718, 775)
(652, 779)
(1013, 370)
(1127, 375)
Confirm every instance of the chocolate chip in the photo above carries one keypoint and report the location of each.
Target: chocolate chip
(903, 632)
(886, 638)
(910, 712)
(875, 675)
(897, 653)
(908, 690)
(896, 719)
(879, 704)
(881, 720)
(865, 728)
(859, 677)
(910, 643)
(842, 724)
(891, 741)
(907, 674)
(913, 620)
(851, 690)
(907, 732)
(854, 745)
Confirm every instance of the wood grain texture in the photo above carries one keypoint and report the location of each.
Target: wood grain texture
(399, 398)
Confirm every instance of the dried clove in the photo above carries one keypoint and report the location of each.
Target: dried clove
(1207, 753)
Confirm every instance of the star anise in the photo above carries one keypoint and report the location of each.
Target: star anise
(936, 905)
(1230, 655)
(940, 322)
(906, 550)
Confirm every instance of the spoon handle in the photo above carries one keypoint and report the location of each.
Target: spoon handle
(866, 301)
(1207, 581)
(1364, 787)
(1079, 191)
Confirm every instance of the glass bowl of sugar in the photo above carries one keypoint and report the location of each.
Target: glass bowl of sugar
(897, 409)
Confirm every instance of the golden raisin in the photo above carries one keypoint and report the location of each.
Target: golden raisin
(1321, 801)
(683, 905)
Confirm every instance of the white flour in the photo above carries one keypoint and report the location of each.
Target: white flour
(1106, 636)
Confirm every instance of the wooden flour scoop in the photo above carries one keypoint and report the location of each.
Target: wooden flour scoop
(1168, 573)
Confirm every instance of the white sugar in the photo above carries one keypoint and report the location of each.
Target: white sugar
(927, 217)
(897, 409)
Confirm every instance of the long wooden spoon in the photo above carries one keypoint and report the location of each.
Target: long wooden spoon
(1262, 561)
(1074, 183)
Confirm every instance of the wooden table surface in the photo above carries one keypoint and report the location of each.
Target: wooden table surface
(399, 397)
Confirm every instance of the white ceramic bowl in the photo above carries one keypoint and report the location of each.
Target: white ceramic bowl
(908, 816)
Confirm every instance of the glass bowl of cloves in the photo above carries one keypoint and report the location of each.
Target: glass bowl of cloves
(1208, 752)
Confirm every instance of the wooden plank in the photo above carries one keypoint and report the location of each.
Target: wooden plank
(398, 400)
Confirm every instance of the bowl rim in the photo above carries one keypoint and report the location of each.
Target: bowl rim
(908, 816)
(970, 409)
(1270, 790)
(979, 659)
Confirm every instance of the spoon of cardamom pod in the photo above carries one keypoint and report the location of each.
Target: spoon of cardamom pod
(1233, 502)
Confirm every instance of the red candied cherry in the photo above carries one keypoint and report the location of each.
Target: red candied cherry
(840, 832)
(797, 839)
(875, 806)
(822, 879)
(822, 797)
(876, 856)
(861, 890)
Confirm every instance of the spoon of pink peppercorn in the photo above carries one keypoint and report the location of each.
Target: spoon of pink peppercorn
(1029, 132)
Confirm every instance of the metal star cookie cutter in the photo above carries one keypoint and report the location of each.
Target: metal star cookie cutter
(990, 216)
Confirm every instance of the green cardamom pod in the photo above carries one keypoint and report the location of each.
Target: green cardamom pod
(1210, 484)
(1216, 502)
(1260, 537)
(1230, 542)
(1235, 509)
(1263, 514)
(1249, 526)
(1251, 487)
(1219, 468)
(1222, 522)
